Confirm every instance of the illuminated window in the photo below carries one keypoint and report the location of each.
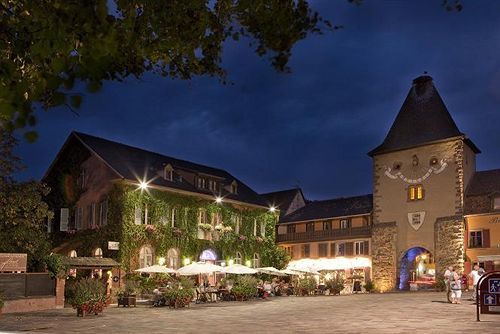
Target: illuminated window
(98, 252)
(145, 257)
(173, 258)
(345, 223)
(415, 193)
(73, 253)
(238, 259)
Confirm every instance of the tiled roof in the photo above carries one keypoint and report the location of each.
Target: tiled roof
(423, 118)
(484, 183)
(282, 199)
(90, 262)
(135, 164)
(338, 207)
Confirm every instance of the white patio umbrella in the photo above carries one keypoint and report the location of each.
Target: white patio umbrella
(239, 269)
(156, 269)
(197, 268)
(270, 271)
(292, 272)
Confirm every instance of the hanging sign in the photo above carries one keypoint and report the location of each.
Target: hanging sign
(113, 245)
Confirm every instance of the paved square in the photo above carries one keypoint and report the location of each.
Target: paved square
(375, 313)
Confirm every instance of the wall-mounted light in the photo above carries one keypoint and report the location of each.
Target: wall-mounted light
(230, 262)
(186, 261)
(161, 261)
(248, 263)
(272, 208)
(143, 185)
(218, 199)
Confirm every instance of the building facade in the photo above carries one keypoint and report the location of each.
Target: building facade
(142, 208)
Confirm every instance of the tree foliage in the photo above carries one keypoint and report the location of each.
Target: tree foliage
(22, 210)
(47, 46)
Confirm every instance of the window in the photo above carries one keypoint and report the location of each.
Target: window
(238, 259)
(323, 250)
(255, 227)
(360, 248)
(345, 223)
(212, 185)
(173, 258)
(256, 260)
(98, 252)
(415, 193)
(262, 229)
(73, 253)
(174, 217)
(327, 226)
(145, 257)
(496, 203)
(341, 249)
(290, 228)
(476, 239)
(202, 216)
(140, 215)
(168, 173)
(332, 250)
(289, 250)
(234, 187)
(201, 182)
(237, 223)
(305, 250)
(310, 227)
(82, 180)
(79, 218)
(103, 213)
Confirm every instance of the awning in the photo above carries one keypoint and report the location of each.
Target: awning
(484, 258)
(90, 262)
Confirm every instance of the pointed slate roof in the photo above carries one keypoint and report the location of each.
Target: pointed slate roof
(422, 119)
(133, 163)
(282, 199)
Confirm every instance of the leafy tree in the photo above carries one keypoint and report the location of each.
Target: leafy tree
(47, 46)
(22, 210)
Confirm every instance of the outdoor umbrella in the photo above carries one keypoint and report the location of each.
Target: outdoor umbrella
(289, 271)
(270, 271)
(197, 268)
(239, 269)
(157, 269)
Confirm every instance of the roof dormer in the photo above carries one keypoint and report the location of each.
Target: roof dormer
(168, 172)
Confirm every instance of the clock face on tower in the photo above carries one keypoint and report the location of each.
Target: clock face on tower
(415, 171)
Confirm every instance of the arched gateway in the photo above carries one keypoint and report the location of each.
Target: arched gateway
(416, 267)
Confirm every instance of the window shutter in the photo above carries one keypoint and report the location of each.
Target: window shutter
(486, 238)
(63, 226)
(255, 227)
(138, 215)
(332, 249)
(349, 248)
(366, 248)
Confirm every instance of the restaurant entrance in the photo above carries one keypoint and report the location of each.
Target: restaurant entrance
(417, 269)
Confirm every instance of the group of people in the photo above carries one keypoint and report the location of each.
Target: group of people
(274, 288)
(456, 282)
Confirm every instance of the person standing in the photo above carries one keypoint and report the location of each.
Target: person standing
(474, 274)
(456, 288)
(447, 278)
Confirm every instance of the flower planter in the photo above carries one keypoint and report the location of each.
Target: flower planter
(127, 301)
(86, 309)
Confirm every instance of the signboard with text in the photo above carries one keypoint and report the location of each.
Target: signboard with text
(488, 294)
(113, 245)
(13, 262)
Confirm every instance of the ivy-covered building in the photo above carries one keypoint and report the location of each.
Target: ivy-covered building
(156, 207)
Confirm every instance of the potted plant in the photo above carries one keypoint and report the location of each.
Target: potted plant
(305, 286)
(244, 288)
(335, 285)
(127, 295)
(180, 294)
(205, 226)
(88, 297)
(369, 286)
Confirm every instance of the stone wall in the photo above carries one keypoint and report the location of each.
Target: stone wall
(384, 258)
(449, 244)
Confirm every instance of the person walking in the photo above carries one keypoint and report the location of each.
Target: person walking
(474, 274)
(447, 278)
(456, 288)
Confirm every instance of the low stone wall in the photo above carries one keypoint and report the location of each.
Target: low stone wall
(449, 244)
(384, 256)
(29, 304)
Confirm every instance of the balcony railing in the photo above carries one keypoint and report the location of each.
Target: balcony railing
(336, 234)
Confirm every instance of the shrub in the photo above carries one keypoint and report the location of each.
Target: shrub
(88, 296)
(306, 285)
(181, 293)
(369, 286)
(245, 287)
(56, 266)
(335, 285)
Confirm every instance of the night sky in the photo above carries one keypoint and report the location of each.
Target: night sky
(314, 126)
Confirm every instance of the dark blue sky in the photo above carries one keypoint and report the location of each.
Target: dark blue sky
(312, 127)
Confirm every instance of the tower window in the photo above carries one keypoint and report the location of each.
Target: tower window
(415, 193)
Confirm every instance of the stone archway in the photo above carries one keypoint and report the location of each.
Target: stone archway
(416, 265)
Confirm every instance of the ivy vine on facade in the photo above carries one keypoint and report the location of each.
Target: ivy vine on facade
(177, 211)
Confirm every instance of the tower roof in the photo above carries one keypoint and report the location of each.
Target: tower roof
(422, 119)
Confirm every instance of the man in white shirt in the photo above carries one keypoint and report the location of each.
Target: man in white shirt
(447, 279)
(474, 274)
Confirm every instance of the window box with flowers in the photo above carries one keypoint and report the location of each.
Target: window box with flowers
(205, 226)
(150, 228)
(176, 232)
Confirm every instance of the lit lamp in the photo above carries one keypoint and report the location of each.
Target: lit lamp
(272, 209)
(223, 264)
(161, 261)
(110, 273)
(143, 185)
(230, 262)
(218, 200)
(186, 261)
(248, 263)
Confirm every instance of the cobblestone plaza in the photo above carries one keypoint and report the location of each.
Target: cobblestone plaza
(375, 313)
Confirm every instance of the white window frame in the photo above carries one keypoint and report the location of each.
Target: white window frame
(338, 246)
(145, 256)
(359, 248)
(263, 229)
(238, 259)
(496, 203)
(256, 260)
(344, 224)
(471, 238)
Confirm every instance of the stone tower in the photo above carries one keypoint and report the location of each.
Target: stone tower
(420, 173)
